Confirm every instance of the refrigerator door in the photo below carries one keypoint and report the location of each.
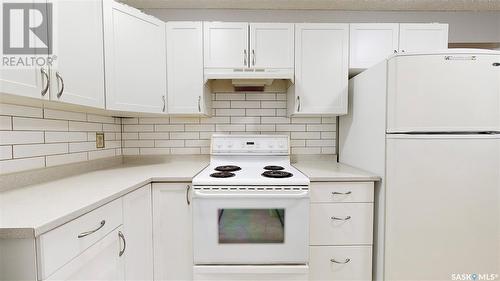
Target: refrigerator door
(444, 92)
(442, 206)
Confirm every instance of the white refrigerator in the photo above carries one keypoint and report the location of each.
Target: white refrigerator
(429, 125)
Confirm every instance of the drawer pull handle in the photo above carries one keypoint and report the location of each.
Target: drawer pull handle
(122, 237)
(341, 219)
(340, 262)
(86, 233)
(341, 193)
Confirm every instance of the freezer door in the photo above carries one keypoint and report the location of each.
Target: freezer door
(442, 207)
(443, 92)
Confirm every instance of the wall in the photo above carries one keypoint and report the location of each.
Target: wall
(34, 137)
(464, 26)
(233, 113)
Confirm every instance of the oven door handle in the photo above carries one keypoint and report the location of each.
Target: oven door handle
(201, 194)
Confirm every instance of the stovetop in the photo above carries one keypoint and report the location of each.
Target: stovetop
(250, 160)
(251, 172)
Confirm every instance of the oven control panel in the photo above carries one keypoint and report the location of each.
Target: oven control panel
(250, 144)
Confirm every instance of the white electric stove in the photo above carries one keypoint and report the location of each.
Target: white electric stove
(250, 212)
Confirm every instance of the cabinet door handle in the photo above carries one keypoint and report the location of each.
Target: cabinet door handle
(46, 76)
(253, 57)
(122, 237)
(245, 57)
(341, 219)
(199, 103)
(341, 262)
(59, 77)
(395, 51)
(341, 193)
(164, 103)
(298, 103)
(87, 233)
(187, 194)
(496, 64)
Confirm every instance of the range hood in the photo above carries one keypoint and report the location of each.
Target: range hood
(247, 78)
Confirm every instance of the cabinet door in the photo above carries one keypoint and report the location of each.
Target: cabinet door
(370, 43)
(414, 37)
(80, 56)
(321, 68)
(226, 44)
(172, 232)
(271, 45)
(102, 261)
(134, 59)
(185, 67)
(21, 80)
(138, 230)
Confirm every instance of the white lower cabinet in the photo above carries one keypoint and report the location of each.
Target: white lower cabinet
(340, 263)
(103, 261)
(341, 231)
(172, 231)
(138, 232)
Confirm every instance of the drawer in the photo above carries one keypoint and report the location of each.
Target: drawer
(341, 224)
(58, 246)
(338, 192)
(340, 263)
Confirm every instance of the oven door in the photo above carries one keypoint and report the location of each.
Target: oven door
(251, 226)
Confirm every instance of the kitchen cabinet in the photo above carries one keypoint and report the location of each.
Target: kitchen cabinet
(370, 43)
(172, 231)
(225, 44)
(138, 230)
(321, 69)
(135, 59)
(271, 45)
(242, 45)
(422, 37)
(102, 261)
(78, 48)
(77, 76)
(341, 231)
(187, 93)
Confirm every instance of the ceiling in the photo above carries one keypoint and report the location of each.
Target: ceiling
(351, 5)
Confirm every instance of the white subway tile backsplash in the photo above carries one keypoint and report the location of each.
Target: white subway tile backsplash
(236, 113)
(66, 137)
(84, 126)
(34, 124)
(138, 128)
(138, 143)
(23, 164)
(102, 119)
(19, 110)
(111, 127)
(5, 152)
(5, 123)
(64, 115)
(98, 154)
(154, 120)
(31, 150)
(81, 146)
(20, 137)
(184, 136)
(130, 120)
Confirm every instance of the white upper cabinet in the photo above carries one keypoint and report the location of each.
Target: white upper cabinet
(135, 59)
(321, 69)
(271, 45)
(78, 74)
(25, 81)
(226, 44)
(422, 37)
(186, 89)
(370, 43)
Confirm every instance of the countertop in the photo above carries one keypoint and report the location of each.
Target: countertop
(327, 169)
(33, 210)
(29, 211)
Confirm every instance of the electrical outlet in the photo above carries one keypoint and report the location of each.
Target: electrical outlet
(99, 140)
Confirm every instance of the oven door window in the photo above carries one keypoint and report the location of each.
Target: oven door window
(251, 226)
